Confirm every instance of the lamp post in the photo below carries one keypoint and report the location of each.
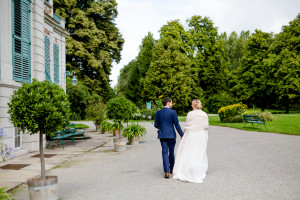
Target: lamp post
(74, 80)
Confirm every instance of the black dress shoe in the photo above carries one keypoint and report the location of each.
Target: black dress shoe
(166, 175)
(171, 172)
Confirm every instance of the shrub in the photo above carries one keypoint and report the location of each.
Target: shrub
(96, 112)
(133, 130)
(229, 113)
(105, 126)
(78, 96)
(267, 116)
(216, 101)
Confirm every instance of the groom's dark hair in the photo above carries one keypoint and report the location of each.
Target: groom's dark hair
(166, 100)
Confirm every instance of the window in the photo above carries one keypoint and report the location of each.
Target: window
(18, 138)
(21, 40)
(47, 59)
(56, 63)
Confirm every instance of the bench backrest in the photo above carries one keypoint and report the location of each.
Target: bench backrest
(250, 117)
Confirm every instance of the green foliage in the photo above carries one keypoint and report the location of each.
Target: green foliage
(216, 101)
(134, 130)
(170, 75)
(81, 126)
(94, 42)
(115, 126)
(130, 81)
(4, 195)
(39, 106)
(232, 113)
(78, 97)
(252, 77)
(119, 109)
(235, 48)
(96, 112)
(267, 116)
(284, 62)
(106, 126)
(208, 56)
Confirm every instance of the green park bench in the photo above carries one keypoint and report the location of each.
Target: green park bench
(253, 119)
(67, 134)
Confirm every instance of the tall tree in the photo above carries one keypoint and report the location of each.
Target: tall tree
(94, 42)
(235, 48)
(252, 77)
(176, 30)
(208, 55)
(130, 82)
(284, 61)
(123, 79)
(145, 55)
(170, 75)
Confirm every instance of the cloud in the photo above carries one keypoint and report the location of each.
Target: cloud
(138, 17)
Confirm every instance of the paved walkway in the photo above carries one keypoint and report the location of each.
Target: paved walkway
(242, 165)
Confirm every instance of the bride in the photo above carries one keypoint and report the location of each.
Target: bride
(191, 159)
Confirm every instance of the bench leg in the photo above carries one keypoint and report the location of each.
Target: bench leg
(73, 140)
(62, 142)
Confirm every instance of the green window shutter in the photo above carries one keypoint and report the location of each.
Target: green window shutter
(21, 41)
(56, 63)
(47, 59)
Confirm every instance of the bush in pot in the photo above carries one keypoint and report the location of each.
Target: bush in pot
(105, 126)
(115, 128)
(40, 107)
(119, 109)
(134, 132)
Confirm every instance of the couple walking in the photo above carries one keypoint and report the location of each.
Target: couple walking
(191, 159)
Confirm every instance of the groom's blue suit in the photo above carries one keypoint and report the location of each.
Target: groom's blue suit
(165, 120)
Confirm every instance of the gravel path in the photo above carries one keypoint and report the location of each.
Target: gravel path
(242, 165)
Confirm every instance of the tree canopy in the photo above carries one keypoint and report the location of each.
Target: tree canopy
(94, 42)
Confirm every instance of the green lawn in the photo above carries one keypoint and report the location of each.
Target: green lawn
(79, 126)
(283, 123)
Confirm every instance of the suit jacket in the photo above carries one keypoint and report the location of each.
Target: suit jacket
(165, 120)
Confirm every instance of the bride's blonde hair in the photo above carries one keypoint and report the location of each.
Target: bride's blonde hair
(197, 104)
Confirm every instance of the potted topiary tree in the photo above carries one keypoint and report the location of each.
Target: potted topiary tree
(119, 109)
(40, 107)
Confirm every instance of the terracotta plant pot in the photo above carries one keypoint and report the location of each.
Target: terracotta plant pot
(116, 132)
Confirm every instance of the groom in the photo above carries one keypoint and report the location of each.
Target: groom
(165, 120)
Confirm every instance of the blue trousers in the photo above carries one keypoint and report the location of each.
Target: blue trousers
(168, 157)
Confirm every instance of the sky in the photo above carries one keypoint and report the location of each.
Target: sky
(138, 17)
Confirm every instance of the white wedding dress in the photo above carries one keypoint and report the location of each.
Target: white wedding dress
(191, 160)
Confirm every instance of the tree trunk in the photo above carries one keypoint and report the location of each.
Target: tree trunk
(287, 105)
(43, 171)
(120, 134)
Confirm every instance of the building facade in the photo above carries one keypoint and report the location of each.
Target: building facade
(32, 45)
